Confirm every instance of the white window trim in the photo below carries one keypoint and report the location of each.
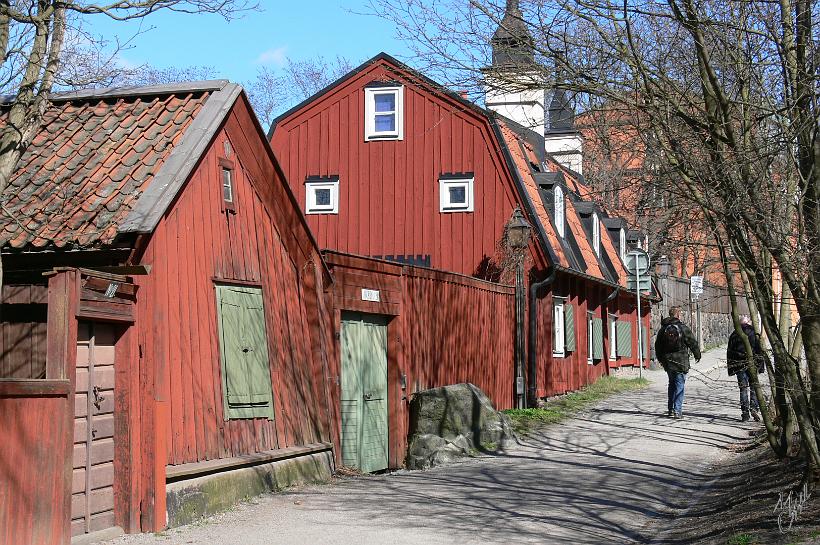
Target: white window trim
(596, 234)
(613, 337)
(560, 210)
(559, 340)
(310, 197)
(590, 337)
(444, 185)
(370, 132)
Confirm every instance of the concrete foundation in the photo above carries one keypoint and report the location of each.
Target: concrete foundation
(192, 499)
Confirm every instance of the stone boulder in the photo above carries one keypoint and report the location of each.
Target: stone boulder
(452, 422)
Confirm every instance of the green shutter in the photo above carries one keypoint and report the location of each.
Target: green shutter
(597, 339)
(569, 328)
(624, 345)
(243, 343)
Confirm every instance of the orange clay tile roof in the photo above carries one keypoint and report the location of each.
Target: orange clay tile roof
(523, 155)
(89, 164)
(514, 145)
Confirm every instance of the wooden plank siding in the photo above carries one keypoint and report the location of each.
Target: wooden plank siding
(197, 245)
(389, 190)
(33, 480)
(443, 328)
(23, 317)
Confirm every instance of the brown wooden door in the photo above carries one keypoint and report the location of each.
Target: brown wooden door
(92, 499)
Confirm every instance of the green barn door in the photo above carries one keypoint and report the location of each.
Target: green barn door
(364, 391)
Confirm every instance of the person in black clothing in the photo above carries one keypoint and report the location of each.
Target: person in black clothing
(672, 346)
(738, 364)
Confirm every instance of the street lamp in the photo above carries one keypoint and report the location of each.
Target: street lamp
(517, 237)
(518, 231)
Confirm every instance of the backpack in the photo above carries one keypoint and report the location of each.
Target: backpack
(671, 339)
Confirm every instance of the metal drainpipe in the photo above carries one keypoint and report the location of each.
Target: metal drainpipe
(532, 388)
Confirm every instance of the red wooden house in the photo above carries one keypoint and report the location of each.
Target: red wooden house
(194, 349)
(386, 163)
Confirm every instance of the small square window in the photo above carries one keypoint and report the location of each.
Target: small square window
(227, 185)
(322, 196)
(384, 113)
(456, 195)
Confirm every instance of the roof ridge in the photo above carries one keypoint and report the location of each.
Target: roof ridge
(133, 90)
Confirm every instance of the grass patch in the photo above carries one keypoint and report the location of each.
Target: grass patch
(741, 539)
(562, 407)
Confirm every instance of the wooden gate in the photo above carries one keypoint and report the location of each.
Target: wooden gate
(92, 489)
(364, 391)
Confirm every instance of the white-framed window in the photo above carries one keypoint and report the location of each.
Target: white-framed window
(590, 337)
(455, 194)
(596, 233)
(613, 337)
(623, 243)
(558, 344)
(559, 210)
(384, 113)
(227, 185)
(322, 196)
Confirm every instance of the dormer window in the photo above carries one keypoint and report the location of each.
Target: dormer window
(596, 234)
(559, 210)
(384, 113)
(623, 244)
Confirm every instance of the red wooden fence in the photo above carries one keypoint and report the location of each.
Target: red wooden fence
(34, 475)
(458, 329)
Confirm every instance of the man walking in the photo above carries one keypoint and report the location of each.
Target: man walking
(672, 346)
(738, 365)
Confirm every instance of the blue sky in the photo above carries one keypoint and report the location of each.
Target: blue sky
(235, 49)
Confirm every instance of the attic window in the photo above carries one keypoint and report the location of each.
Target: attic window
(456, 194)
(227, 184)
(596, 234)
(384, 113)
(559, 210)
(322, 196)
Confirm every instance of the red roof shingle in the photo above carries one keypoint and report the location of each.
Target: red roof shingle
(88, 165)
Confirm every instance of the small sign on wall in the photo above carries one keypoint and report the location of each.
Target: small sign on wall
(371, 295)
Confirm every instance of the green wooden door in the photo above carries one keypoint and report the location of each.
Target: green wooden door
(364, 391)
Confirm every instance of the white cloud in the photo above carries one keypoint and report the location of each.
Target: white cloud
(275, 56)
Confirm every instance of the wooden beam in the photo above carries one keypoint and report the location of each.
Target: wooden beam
(183, 471)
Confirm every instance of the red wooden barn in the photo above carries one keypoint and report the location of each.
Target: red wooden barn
(196, 346)
(389, 164)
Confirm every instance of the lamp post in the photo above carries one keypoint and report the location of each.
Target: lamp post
(517, 237)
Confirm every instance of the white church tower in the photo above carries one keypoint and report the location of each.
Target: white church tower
(513, 89)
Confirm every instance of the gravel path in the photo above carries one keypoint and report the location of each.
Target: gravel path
(618, 473)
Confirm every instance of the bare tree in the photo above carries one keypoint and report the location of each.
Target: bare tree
(42, 44)
(272, 92)
(727, 94)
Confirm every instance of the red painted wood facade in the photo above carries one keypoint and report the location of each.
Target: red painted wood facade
(431, 313)
(389, 190)
(389, 200)
(197, 245)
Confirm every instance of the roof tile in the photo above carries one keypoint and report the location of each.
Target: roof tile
(87, 166)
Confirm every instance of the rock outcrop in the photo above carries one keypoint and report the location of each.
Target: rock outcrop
(452, 422)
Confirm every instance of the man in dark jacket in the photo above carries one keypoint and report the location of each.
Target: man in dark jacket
(672, 346)
(738, 365)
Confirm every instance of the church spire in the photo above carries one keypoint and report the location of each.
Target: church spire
(512, 42)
